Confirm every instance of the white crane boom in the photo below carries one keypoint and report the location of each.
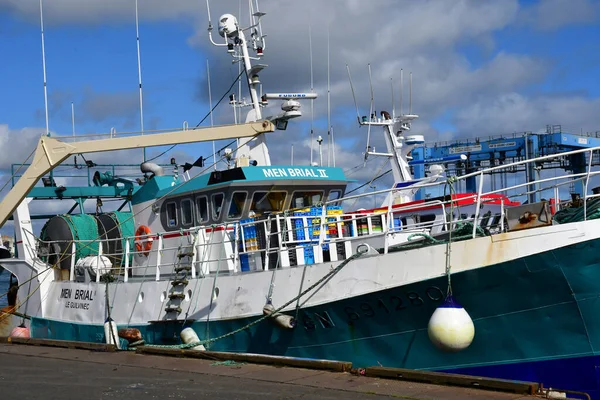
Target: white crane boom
(51, 152)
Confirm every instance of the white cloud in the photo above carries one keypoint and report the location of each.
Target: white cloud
(100, 11)
(423, 37)
(514, 112)
(17, 144)
(553, 14)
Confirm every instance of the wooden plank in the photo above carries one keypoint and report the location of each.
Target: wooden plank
(326, 365)
(60, 343)
(442, 378)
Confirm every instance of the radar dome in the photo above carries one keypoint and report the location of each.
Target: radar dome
(228, 25)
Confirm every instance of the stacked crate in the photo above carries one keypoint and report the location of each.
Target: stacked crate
(251, 240)
(314, 228)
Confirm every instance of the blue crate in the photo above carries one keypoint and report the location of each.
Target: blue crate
(244, 262)
(299, 229)
(309, 255)
(397, 223)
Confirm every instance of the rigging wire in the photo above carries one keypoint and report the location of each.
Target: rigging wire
(206, 116)
(367, 183)
(17, 171)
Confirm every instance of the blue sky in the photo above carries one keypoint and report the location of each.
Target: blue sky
(94, 65)
(480, 68)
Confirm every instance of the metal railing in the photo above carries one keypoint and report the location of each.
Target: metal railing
(326, 232)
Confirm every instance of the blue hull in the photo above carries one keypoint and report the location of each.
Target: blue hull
(535, 320)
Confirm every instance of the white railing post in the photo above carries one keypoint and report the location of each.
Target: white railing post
(267, 224)
(98, 261)
(73, 261)
(195, 253)
(556, 200)
(587, 181)
(478, 203)
(390, 224)
(126, 277)
(502, 216)
(236, 248)
(158, 256)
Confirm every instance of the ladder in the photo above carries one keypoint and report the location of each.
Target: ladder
(182, 270)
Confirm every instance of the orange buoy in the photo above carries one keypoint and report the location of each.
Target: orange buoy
(143, 242)
(7, 310)
(20, 331)
(130, 334)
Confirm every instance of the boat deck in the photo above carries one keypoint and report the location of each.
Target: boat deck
(50, 370)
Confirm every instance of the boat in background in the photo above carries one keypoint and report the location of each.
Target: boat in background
(274, 260)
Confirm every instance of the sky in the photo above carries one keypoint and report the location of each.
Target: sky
(479, 68)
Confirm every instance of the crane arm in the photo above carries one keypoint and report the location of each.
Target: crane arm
(50, 152)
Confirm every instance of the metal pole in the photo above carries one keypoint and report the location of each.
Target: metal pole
(44, 67)
(137, 34)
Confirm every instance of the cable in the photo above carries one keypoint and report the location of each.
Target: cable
(367, 183)
(206, 116)
(17, 171)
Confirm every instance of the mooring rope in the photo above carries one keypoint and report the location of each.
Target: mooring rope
(249, 325)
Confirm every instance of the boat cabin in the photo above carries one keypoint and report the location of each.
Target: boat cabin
(238, 193)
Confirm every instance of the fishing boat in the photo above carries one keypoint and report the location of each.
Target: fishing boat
(267, 259)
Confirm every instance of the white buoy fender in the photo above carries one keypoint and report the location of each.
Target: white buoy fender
(20, 331)
(111, 334)
(450, 327)
(284, 321)
(188, 335)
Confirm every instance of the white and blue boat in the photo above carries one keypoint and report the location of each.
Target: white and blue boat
(469, 283)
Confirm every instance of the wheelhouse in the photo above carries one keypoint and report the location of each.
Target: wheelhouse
(240, 193)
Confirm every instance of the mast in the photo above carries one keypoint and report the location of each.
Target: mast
(137, 34)
(238, 46)
(211, 113)
(328, 104)
(312, 90)
(73, 117)
(44, 67)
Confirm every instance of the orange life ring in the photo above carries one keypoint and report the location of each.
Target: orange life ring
(143, 242)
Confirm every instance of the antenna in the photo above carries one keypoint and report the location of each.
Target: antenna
(410, 95)
(260, 32)
(44, 68)
(370, 118)
(137, 34)
(393, 104)
(401, 89)
(292, 160)
(239, 117)
(333, 146)
(312, 90)
(73, 117)
(211, 113)
(353, 96)
(250, 11)
(328, 103)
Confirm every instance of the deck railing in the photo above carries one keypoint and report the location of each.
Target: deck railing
(297, 240)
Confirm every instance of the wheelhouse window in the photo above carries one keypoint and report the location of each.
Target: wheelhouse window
(263, 202)
(238, 200)
(202, 209)
(171, 214)
(187, 212)
(306, 199)
(334, 195)
(217, 203)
